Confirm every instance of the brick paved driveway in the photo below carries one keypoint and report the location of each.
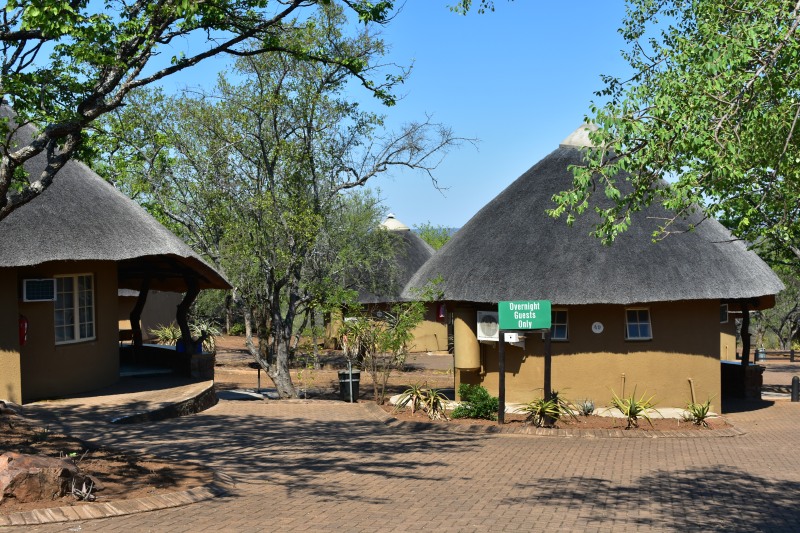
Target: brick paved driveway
(327, 467)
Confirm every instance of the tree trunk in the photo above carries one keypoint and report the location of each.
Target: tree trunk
(745, 333)
(279, 370)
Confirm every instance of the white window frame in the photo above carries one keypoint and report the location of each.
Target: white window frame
(76, 309)
(565, 324)
(638, 322)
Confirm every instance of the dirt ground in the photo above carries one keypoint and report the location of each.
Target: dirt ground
(120, 476)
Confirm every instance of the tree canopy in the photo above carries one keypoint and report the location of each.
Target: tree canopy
(712, 108)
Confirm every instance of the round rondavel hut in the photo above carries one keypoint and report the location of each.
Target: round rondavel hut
(643, 315)
(410, 253)
(64, 257)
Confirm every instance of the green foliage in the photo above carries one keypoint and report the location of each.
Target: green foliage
(783, 319)
(66, 63)
(414, 396)
(476, 402)
(207, 329)
(698, 413)
(237, 329)
(436, 236)
(542, 412)
(711, 108)
(167, 335)
(633, 409)
(432, 401)
(585, 407)
(380, 340)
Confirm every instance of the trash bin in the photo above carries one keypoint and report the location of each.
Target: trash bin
(344, 385)
(761, 354)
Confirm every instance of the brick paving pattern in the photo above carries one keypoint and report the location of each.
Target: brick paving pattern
(330, 466)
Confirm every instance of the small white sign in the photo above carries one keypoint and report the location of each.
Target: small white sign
(597, 327)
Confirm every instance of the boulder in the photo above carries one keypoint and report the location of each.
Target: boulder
(29, 478)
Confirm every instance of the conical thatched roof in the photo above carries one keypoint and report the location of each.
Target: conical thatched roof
(411, 252)
(512, 250)
(82, 217)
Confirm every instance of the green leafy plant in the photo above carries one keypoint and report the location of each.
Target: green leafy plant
(414, 395)
(585, 407)
(633, 409)
(698, 413)
(167, 335)
(542, 412)
(208, 331)
(237, 329)
(435, 404)
(476, 402)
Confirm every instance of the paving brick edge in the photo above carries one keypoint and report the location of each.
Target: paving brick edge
(90, 511)
(391, 421)
(195, 403)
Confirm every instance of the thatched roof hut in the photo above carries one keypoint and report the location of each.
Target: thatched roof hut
(512, 250)
(411, 252)
(82, 217)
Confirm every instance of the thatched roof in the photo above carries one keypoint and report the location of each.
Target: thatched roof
(82, 217)
(512, 250)
(411, 252)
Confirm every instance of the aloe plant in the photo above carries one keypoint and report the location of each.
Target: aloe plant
(543, 412)
(698, 413)
(633, 409)
(414, 395)
(435, 404)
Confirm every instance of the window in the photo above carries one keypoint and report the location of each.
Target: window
(558, 325)
(637, 325)
(74, 308)
(723, 313)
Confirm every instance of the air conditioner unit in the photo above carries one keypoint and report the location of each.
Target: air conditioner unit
(488, 328)
(39, 290)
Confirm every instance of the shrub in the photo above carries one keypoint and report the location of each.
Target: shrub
(476, 402)
(585, 407)
(543, 412)
(237, 329)
(632, 409)
(698, 413)
(167, 335)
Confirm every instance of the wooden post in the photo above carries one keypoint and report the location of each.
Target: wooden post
(501, 379)
(182, 315)
(745, 334)
(136, 312)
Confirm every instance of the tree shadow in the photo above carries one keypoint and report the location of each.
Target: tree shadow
(713, 498)
(330, 459)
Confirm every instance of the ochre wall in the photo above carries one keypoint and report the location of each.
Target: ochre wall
(431, 334)
(159, 310)
(686, 344)
(50, 371)
(10, 371)
(727, 340)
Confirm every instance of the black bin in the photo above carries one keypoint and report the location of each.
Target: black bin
(344, 385)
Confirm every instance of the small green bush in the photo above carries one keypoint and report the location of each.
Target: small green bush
(698, 413)
(476, 402)
(237, 329)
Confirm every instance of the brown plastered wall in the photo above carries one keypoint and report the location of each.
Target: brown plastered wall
(686, 337)
(10, 370)
(50, 371)
(727, 340)
(431, 334)
(159, 310)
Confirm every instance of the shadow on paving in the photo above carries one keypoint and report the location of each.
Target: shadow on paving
(331, 459)
(714, 498)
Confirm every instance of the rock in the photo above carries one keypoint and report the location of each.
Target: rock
(9, 409)
(29, 478)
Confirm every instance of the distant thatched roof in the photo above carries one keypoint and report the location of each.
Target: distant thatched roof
(512, 250)
(82, 217)
(411, 252)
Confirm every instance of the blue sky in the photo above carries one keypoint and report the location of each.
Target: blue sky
(519, 80)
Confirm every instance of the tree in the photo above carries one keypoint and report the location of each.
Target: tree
(435, 236)
(65, 63)
(261, 178)
(713, 108)
(783, 320)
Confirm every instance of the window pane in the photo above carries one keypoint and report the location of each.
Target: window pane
(644, 331)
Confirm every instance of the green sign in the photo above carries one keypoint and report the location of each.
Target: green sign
(529, 314)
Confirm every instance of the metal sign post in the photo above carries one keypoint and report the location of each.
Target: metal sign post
(523, 315)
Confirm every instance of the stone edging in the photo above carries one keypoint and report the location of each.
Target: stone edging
(200, 402)
(92, 511)
(391, 421)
